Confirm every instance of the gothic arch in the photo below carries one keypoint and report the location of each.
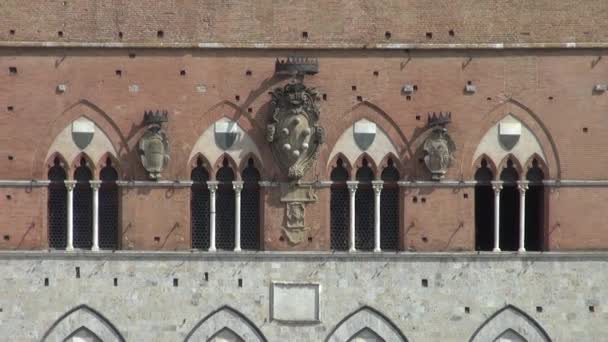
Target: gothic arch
(530, 121)
(516, 164)
(512, 319)
(89, 165)
(340, 139)
(490, 165)
(50, 162)
(194, 162)
(346, 163)
(219, 163)
(371, 163)
(107, 137)
(82, 317)
(244, 163)
(362, 319)
(541, 164)
(225, 319)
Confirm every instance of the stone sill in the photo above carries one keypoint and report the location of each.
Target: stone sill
(306, 46)
(305, 256)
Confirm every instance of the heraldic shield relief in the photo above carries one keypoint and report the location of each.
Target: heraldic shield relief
(294, 133)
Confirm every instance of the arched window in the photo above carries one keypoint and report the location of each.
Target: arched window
(250, 207)
(484, 208)
(509, 208)
(535, 208)
(57, 206)
(199, 206)
(108, 207)
(389, 205)
(364, 205)
(83, 206)
(339, 207)
(225, 207)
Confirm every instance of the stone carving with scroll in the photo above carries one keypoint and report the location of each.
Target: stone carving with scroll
(154, 145)
(294, 135)
(438, 146)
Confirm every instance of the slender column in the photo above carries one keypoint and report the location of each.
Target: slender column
(377, 192)
(352, 187)
(70, 235)
(237, 186)
(497, 186)
(212, 185)
(522, 186)
(95, 186)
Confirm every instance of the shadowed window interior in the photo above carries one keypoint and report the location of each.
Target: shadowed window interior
(83, 206)
(57, 205)
(364, 208)
(389, 205)
(484, 208)
(339, 207)
(199, 206)
(250, 207)
(535, 208)
(225, 203)
(108, 207)
(509, 208)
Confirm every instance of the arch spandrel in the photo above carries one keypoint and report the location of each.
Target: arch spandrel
(507, 325)
(366, 322)
(225, 323)
(85, 321)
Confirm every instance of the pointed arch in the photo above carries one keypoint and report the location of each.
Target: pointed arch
(219, 163)
(225, 318)
(78, 318)
(107, 136)
(89, 164)
(530, 121)
(489, 163)
(194, 162)
(504, 164)
(396, 163)
(371, 163)
(346, 163)
(102, 162)
(244, 163)
(362, 318)
(61, 162)
(514, 319)
(536, 161)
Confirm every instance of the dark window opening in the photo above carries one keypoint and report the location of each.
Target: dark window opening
(339, 207)
(509, 209)
(108, 207)
(535, 208)
(250, 207)
(389, 204)
(484, 208)
(57, 206)
(83, 206)
(199, 206)
(225, 202)
(364, 208)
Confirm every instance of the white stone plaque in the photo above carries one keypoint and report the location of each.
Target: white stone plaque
(510, 128)
(294, 302)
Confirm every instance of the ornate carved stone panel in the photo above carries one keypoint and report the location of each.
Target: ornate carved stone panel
(438, 146)
(154, 145)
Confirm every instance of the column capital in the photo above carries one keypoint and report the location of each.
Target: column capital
(377, 185)
(237, 185)
(522, 186)
(70, 184)
(212, 185)
(497, 186)
(352, 185)
(95, 184)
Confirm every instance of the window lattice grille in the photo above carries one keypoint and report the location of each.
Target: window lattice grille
(250, 208)
(225, 213)
(108, 208)
(57, 207)
(389, 206)
(364, 218)
(199, 208)
(83, 208)
(339, 208)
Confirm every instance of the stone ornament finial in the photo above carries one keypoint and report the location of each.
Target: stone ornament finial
(438, 145)
(153, 146)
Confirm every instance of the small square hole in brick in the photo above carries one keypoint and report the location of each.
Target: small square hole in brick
(423, 200)
(9, 197)
(489, 98)
(425, 283)
(467, 310)
(206, 276)
(60, 34)
(46, 281)
(132, 55)
(429, 35)
(7, 237)
(415, 199)
(324, 97)
(237, 97)
(376, 73)
(249, 110)
(469, 82)
(118, 73)
(387, 35)
(175, 282)
(305, 35)
(591, 308)
(354, 88)
(115, 281)
(11, 158)
(550, 98)
(310, 239)
(120, 35)
(240, 282)
(451, 33)
(359, 98)
(585, 129)
(182, 72)
(248, 73)
(77, 272)
(12, 70)
(465, 195)
(415, 87)
(157, 239)
(11, 32)
(160, 33)
(417, 117)
(408, 97)
(539, 309)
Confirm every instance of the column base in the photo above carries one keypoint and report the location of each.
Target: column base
(521, 250)
(352, 250)
(212, 249)
(377, 250)
(95, 248)
(496, 250)
(69, 249)
(237, 249)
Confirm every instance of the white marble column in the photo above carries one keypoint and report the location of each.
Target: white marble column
(352, 187)
(95, 186)
(70, 213)
(497, 186)
(522, 186)
(377, 185)
(212, 185)
(237, 186)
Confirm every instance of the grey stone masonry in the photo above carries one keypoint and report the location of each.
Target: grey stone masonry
(200, 296)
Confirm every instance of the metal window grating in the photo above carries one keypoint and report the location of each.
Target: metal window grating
(57, 207)
(199, 207)
(390, 211)
(364, 208)
(108, 208)
(250, 208)
(339, 208)
(83, 208)
(225, 202)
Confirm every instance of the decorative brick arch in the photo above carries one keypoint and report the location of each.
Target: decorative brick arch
(346, 163)
(516, 164)
(511, 319)
(366, 319)
(491, 165)
(225, 319)
(77, 318)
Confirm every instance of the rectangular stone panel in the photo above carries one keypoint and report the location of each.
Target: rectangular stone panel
(294, 302)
